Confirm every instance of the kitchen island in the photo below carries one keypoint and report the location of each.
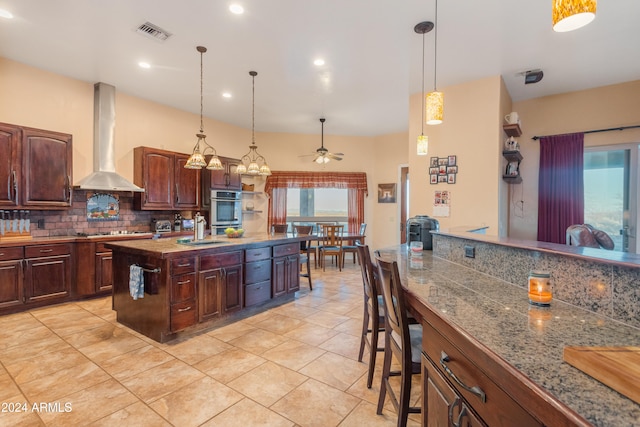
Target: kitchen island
(204, 283)
(507, 352)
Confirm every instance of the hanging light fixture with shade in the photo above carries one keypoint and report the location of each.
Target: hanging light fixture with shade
(197, 159)
(435, 99)
(423, 140)
(569, 15)
(253, 163)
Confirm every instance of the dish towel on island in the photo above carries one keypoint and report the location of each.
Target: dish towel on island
(136, 282)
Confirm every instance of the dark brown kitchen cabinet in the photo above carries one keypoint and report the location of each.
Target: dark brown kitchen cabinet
(286, 265)
(36, 168)
(9, 165)
(167, 184)
(225, 179)
(220, 284)
(443, 406)
(47, 274)
(11, 288)
(184, 311)
(104, 269)
(257, 276)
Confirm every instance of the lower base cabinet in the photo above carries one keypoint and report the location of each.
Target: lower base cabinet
(47, 273)
(286, 269)
(220, 284)
(11, 273)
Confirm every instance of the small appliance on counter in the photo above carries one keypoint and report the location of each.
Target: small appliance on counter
(418, 230)
(163, 226)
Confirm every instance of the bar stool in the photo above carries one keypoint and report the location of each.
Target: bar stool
(352, 248)
(279, 228)
(402, 341)
(373, 311)
(305, 251)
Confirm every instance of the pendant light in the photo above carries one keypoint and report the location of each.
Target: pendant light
(569, 15)
(253, 163)
(435, 99)
(423, 140)
(197, 160)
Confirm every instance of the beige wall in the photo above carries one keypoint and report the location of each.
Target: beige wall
(599, 108)
(471, 131)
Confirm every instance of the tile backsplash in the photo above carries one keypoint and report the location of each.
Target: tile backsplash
(71, 221)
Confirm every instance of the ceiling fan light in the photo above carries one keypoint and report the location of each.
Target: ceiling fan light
(423, 145)
(569, 15)
(435, 108)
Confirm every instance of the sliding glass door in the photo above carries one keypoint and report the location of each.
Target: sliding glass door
(611, 192)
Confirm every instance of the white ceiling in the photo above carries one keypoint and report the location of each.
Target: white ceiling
(373, 56)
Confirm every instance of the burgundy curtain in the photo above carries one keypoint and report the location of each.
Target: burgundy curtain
(355, 182)
(560, 185)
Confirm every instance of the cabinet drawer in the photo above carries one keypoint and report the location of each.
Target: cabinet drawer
(183, 265)
(257, 254)
(207, 262)
(257, 293)
(47, 250)
(255, 272)
(288, 249)
(183, 287)
(7, 254)
(183, 315)
(499, 408)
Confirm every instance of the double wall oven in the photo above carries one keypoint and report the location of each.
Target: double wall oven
(226, 210)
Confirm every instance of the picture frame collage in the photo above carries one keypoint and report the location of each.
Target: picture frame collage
(443, 170)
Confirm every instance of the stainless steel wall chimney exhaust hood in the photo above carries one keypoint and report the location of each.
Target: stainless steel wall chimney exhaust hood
(104, 176)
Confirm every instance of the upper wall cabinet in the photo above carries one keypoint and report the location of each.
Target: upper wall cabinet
(35, 168)
(167, 184)
(225, 179)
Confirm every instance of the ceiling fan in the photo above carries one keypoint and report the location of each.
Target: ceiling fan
(322, 155)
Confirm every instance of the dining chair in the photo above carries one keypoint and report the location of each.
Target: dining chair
(304, 230)
(402, 341)
(331, 244)
(315, 248)
(279, 228)
(352, 248)
(373, 317)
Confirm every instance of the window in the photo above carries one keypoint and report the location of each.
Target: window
(311, 205)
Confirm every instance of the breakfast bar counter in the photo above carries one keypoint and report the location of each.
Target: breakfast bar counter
(486, 333)
(162, 287)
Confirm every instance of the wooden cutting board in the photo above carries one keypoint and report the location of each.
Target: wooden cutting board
(617, 367)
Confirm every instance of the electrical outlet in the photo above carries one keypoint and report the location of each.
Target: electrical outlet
(40, 224)
(469, 251)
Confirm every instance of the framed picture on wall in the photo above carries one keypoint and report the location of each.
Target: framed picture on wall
(433, 171)
(387, 193)
(433, 179)
(451, 178)
(434, 162)
(452, 160)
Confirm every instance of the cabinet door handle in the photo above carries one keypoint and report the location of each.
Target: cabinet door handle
(180, 310)
(184, 265)
(461, 415)
(1, 253)
(68, 189)
(15, 186)
(444, 357)
(184, 282)
(146, 193)
(177, 194)
(42, 251)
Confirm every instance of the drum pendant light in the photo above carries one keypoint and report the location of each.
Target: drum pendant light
(253, 163)
(569, 15)
(197, 160)
(435, 99)
(423, 140)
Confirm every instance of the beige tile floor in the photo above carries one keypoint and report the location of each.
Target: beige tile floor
(294, 365)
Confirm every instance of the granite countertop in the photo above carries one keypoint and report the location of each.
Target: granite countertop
(590, 254)
(498, 315)
(169, 246)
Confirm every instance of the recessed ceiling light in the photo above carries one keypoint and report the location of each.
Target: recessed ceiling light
(237, 9)
(5, 14)
(226, 95)
(318, 62)
(144, 64)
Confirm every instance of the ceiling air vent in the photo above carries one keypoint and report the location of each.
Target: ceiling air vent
(153, 31)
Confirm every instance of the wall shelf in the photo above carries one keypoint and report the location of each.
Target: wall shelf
(251, 212)
(512, 130)
(512, 171)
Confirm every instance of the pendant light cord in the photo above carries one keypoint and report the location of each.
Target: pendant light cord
(435, 53)
(201, 95)
(253, 109)
(422, 96)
